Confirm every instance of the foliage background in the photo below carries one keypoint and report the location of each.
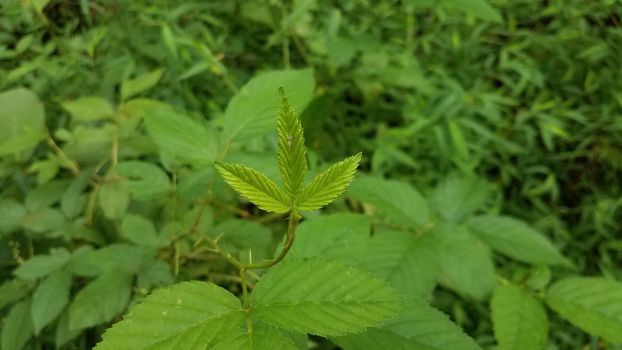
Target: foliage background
(522, 94)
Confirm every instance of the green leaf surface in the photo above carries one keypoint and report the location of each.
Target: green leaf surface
(262, 338)
(50, 298)
(113, 198)
(250, 112)
(292, 154)
(88, 262)
(240, 236)
(43, 265)
(12, 212)
(139, 230)
(188, 316)
(12, 291)
(455, 198)
(397, 201)
(594, 304)
(17, 328)
(89, 108)
(322, 297)
(74, 199)
(22, 123)
(143, 180)
(478, 8)
(519, 320)
(417, 327)
(515, 239)
(255, 186)
(141, 83)
(329, 184)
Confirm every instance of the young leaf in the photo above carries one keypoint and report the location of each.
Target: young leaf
(329, 184)
(255, 186)
(50, 298)
(515, 239)
(322, 297)
(416, 327)
(519, 320)
(101, 300)
(398, 201)
(593, 304)
(17, 328)
(189, 315)
(292, 155)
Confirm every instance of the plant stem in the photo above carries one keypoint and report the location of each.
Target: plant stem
(247, 303)
(294, 218)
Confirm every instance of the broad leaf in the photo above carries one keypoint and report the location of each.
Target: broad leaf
(262, 338)
(417, 327)
(43, 265)
(519, 320)
(322, 297)
(255, 186)
(515, 239)
(397, 201)
(143, 180)
(188, 316)
(101, 300)
(141, 83)
(113, 199)
(50, 298)
(329, 184)
(455, 198)
(22, 122)
(89, 108)
(593, 304)
(292, 155)
(17, 328)
(88, 262)
(250, 112)
(139, 230)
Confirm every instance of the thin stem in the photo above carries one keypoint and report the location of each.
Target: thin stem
(294, 218)
(247, 301)
(73, 166)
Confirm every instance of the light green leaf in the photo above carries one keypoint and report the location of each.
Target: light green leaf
(255, 186)
(515, 239)
(189, 316)
(139, 230)
(143, 180)
(43, 265)
(292, 154)
(101, 300)
(89, 108)
(519, 320)
(455, 198)
(113, 199)
(180, 137)
(17, 329)
(50, 298)
(593, 304)
(477, 8)
(250, 112)
(74, 199)
(22, 123)
(88, 262)
(465, 263)
(141, 83)
(262, 338)
(397, 201)
(417, 327)
(408, 263)
(321, 297)
(329, 184)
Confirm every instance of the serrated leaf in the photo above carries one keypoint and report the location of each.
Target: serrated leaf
(417, 327)
(519, 320)
(262, 338)
(515, 239)
(88, 108)
(408, 263)
(250, 112)
(593, 304)
(292, 154)
(321, 297)
(255, 186)
(455, 198)
(188, 316)
(50, 298)
(397, 201)
(141, 83)
(17, 328)
(43, 265)
(465, 263)
(101, 300)
(329, 184)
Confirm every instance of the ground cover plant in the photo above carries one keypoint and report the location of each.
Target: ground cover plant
(157, 190)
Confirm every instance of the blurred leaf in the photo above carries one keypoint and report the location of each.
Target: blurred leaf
(21, 123)
(50, 298)
(89, 108)
(114, 199)
(477, 8)
(143, 180)
(117, 256)
(12, 212)
(43, 265)
(455, 198)
(139, 230)
(17, 328)
(141, 83)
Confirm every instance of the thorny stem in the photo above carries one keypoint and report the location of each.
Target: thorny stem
(294, 218)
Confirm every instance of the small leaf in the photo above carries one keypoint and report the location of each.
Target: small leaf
(12, 291)
(416, 327)
(12, 212)
(89, 108)
(143, 180)
(88, 262)
(255, 186)
(113, 199)
(292, 154)
(329, 184)
(73, 200)
(17, 328)
(455, 198)
(321, 297)
(519, 320)
(477, 8)
(397, 201)
(43, 265)
(50, 298)
(101, 300)
(139, 230)
(141, 83)
(515, 239)
(593, 304)
(22, 123)
(189, 315)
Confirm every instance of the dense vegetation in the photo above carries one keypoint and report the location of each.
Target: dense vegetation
(489, 187)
